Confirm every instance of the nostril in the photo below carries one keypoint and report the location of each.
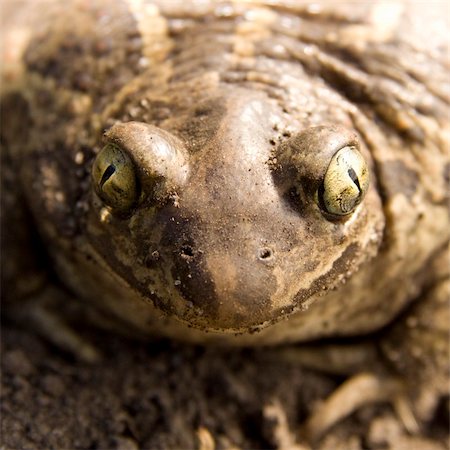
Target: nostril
(187, 252)
(265, 253)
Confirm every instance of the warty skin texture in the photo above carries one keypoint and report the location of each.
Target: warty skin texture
(253, 100)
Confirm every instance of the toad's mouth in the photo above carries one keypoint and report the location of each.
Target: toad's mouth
(220, 291)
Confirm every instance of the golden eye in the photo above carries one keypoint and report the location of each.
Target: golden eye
(114, 178)
(345, 183)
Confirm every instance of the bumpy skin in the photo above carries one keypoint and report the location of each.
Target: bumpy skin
(250, 101)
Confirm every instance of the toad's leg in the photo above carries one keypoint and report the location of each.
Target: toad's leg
(28, 296)
(418, 347)
(369, 382)
(406, 364)
(48, 314)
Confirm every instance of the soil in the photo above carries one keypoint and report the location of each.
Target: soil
(164, 395)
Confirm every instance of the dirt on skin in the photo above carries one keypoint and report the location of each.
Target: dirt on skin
(163, 395)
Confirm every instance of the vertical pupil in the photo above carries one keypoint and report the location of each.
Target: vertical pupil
(107, 174)
(354, 177)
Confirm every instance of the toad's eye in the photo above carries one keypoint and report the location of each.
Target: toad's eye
(345, 183)
(115, 180)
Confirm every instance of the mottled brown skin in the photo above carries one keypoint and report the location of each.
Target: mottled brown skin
(252, 101)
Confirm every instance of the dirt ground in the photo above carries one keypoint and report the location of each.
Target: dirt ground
(163, 395)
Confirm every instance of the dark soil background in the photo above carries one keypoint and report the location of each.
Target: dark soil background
(163, 395)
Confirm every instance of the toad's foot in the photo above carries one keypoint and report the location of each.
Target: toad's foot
(407, 365)
(359, 390)
(44, 314)
(356, 392)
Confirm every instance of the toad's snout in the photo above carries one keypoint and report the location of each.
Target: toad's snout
(226, 289)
